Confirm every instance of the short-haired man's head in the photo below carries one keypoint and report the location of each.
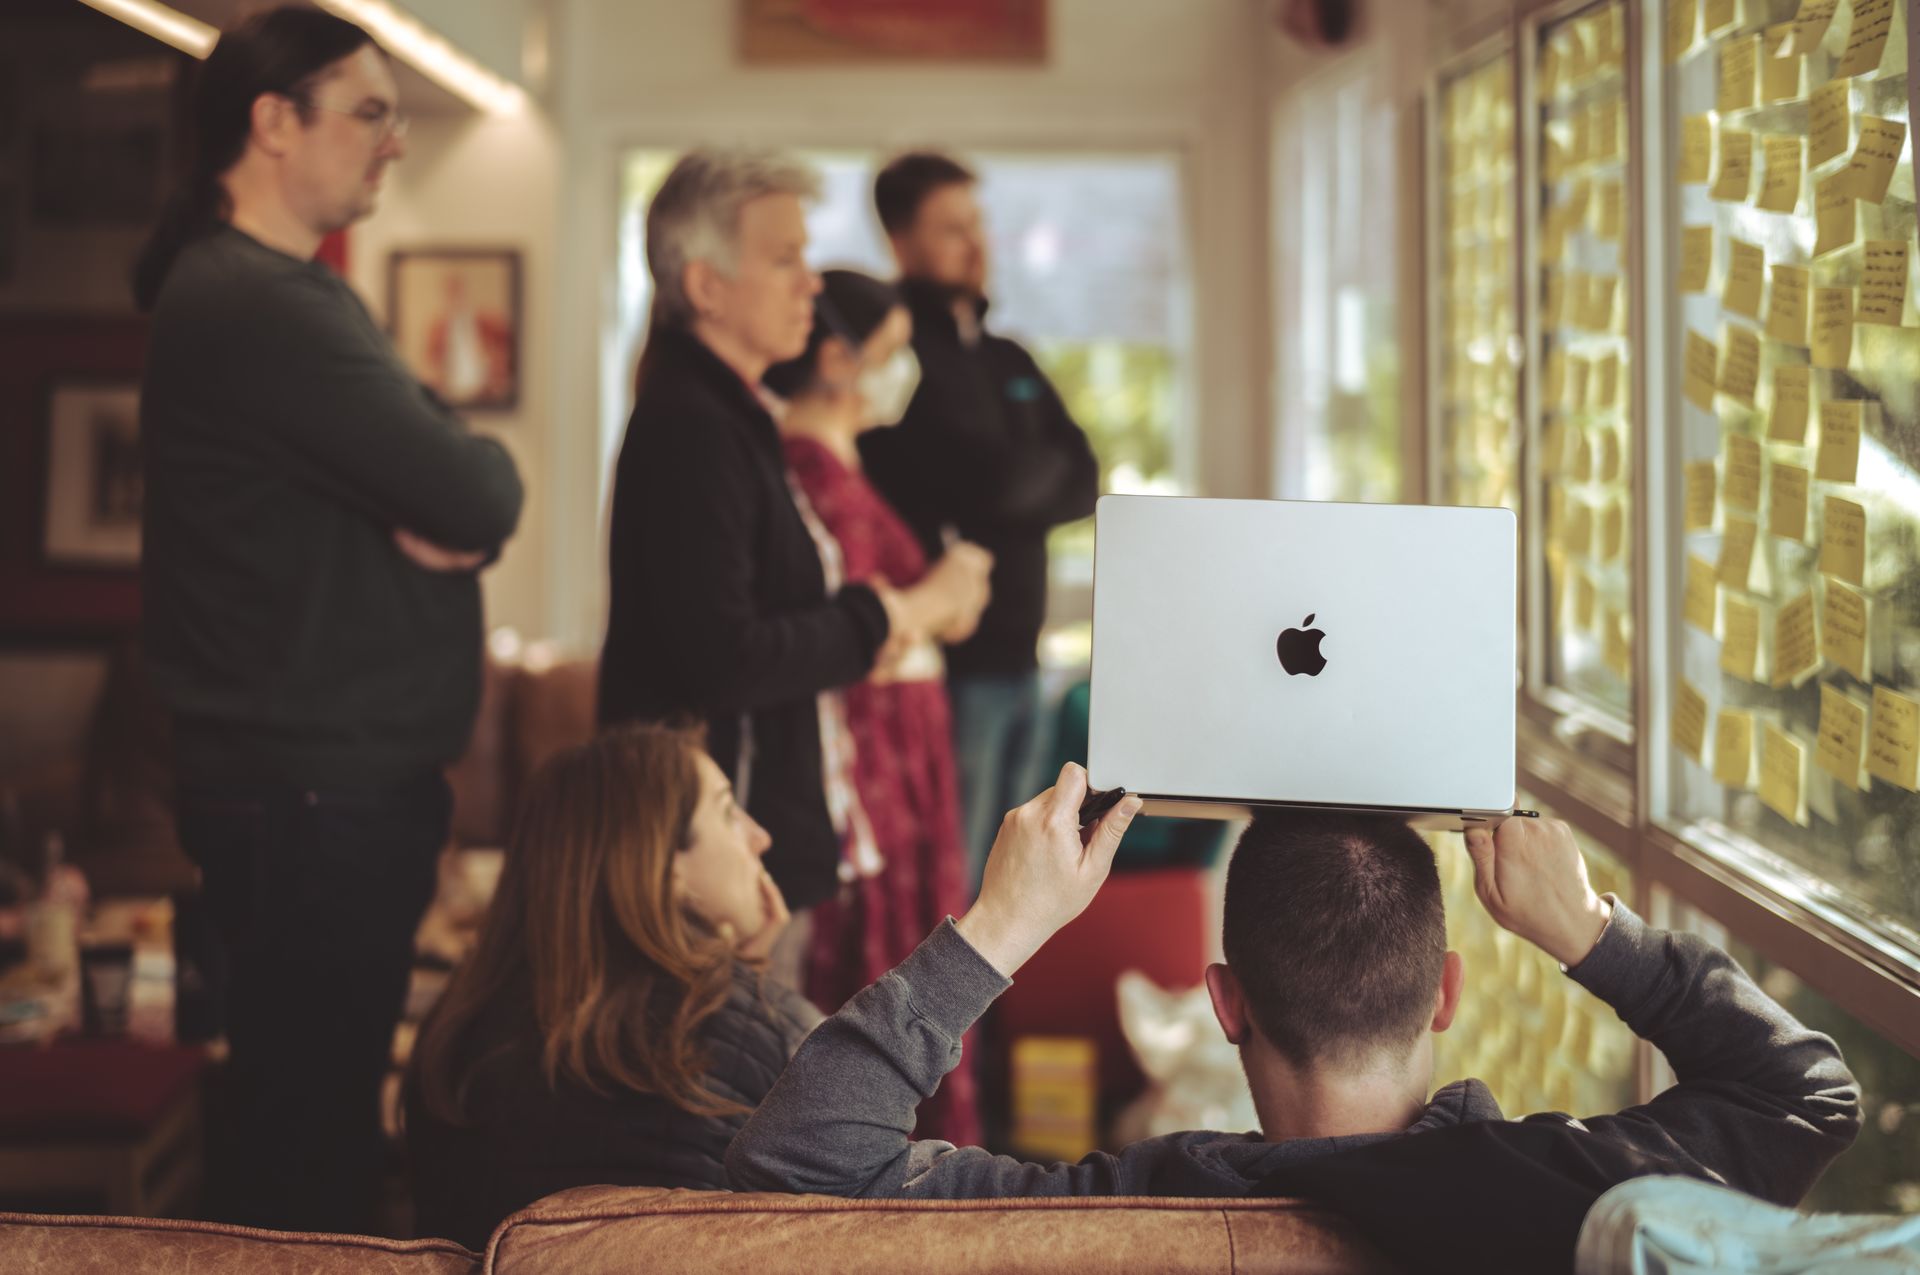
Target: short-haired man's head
(695, 216)
(904, 185)
(1336, 932)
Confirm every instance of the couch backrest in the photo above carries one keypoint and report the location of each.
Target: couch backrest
(624, 1229)
(118, 1245)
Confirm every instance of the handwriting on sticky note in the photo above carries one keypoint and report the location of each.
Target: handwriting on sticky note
(1689, 720)
(1783, 769)
(1780, 188)
(1699, 495)
(1779, 70)
(1811, 22)
(1739, 68)
(1696, 257)
(1740, 648)
(1843, 629)
(1787, 305)
(1893, 740)
(1702, 370)
(1838, 460)
(1680, 16)
(1736, 551)
(1832, 327)
(1787, 501)
(1736, 167)
(1883, 282)
(1841, 737)
(1716, 14)
(1740, 364)
(1796, 648)
(1733, 748)
(1740, 467)
(1700, 595)
(1843, 540)
(1867, 40)
(1696, 150)
(1746, 272)
(1874, 156)
(1792, 390)
(1829, 121)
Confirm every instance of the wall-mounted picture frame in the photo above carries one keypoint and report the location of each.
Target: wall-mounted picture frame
(832, 32)
(455, 317)
(94, 484)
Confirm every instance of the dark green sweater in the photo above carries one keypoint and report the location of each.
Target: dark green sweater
(284, 443)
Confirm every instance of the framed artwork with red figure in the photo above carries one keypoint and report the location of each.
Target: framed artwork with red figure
(455, 318)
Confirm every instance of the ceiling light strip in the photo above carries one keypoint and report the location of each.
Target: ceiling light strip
(169, 25)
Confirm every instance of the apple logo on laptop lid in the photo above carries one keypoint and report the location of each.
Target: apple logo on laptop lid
(1299, 650)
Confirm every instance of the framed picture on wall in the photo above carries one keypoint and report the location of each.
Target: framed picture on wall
(826, 32)
(455, 316)
(94, 483)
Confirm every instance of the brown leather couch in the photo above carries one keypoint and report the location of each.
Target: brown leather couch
(609, 1229)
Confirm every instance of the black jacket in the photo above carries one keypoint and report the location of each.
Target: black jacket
(284, 442)
(526, 1139)
(988, 449)
(718, 606)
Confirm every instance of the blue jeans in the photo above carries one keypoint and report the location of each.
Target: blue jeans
(997, 740)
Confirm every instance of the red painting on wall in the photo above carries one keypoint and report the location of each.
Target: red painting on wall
(837, 31)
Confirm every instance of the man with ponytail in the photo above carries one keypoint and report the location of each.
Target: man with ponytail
(315, 519)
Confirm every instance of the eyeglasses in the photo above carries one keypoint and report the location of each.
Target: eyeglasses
(384, 120)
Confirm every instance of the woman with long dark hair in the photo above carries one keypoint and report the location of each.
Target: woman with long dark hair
(612, 1025)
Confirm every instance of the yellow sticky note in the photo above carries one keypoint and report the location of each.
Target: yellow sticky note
(1746, 272)
(1843, 540)
(1843, 630)
(1740, 364)
(1829, 121)
(1783, 771)
(1579, 373)
(1606, 395)
(1553, 296)
(1796, 644)
(1553, 385)
(1867, 40)
(1680, 22)
(1833, 213)
(1696, 257)
(1838, 460)
(1874, 156)
(1600, 294)
(1787, 305)
(1700, 595)
(1579, 199)
(1832, 327)
(1779, 71)
(1893, 740)
(1580, 145)
(1780, 188)
(1736, 166)
(1787, 501)
(1811, 22)
(1792, 391)
(1733, 748)
(1609, 211)
(1696, 150)
(1604, 126)
(1607, 468)
(1613, 531)
(1736, 552)
(1699, 495)
(1883, 282)
(1689, 720)
(1585, 598)
(1717, 14)
(1616, 650)
(1578, 455)
(1739, 69)
(1841, 737)
(1702, 370)
(1740, 468)
(1740, 648)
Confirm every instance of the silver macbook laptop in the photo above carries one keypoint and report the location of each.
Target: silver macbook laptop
(1265, 652)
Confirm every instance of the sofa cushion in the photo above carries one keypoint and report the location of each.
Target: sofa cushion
(31, 1244)
(634, 1229)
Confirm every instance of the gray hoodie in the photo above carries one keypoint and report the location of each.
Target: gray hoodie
(1762, 1102)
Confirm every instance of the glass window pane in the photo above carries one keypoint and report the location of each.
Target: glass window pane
(1584, 364)
(1796, 396)
(1880, 1173)
(1476, 400)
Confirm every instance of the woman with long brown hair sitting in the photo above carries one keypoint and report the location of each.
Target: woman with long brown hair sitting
(612, 1024)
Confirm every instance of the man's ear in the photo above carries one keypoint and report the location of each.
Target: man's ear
(1453, 976)
(702, 284)
(274, 119)
(1229, 1003)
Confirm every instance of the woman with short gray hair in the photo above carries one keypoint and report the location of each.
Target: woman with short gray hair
(720, 607)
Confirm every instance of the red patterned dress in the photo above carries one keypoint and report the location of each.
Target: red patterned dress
(903, 773)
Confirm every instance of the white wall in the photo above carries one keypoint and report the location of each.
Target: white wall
(477, 181)
(1176, 74)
